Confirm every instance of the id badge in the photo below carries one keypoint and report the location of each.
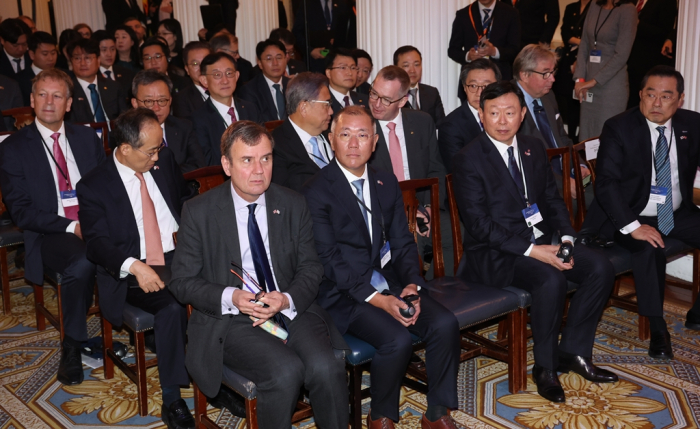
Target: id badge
(532, 215)
(596, 55)
(589, 97)
(658, 195)
(69, 198)
(385, 254)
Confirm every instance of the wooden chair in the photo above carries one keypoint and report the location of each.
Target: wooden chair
(207, 177)
(579, 158)
(10, 236)
(565, 154)
(271, 125)
(23, 116)
(103, 132)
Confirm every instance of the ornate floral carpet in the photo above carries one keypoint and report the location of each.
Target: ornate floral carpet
(650, 394)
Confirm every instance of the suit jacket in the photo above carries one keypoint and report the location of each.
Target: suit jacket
(505, 35)
(186, 102)
(491, 208)
(207, 242)
(363, 88)
(257, 92)
(179, 82)
(29, 190)
(182, 141)
(656, 20)
(319, 35)
(457, 130)
(112, 98)
(124, 77)
(295, 67)
(357, 99)
(430, 102)
(245, 68)
(532, 19)
(116, 11)
(8, 69)
(343, 242)
(292, 166)
(624, 164)
(10, 97)
(24, 80)
(529, 125)
(109, 226)
(209, 126)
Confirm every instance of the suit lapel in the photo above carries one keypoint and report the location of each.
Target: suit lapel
(356, 100)
(410, 135)
(162, 182)
(680, 134)
(297, 146)
(381, 158)
(499, 168)
(80, 106)
(528, 169)
(173, 137)
(216, 119)
(346, 197)
(226, 220)
(549, 110)
(115, 186)
(375, 186)
(477, 17)
(472, 124)
(645, 146)
(269, 101)
(276, 223)
(75, 145)
(43, 167)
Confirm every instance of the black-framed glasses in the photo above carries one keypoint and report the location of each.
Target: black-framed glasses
(162, 102)
(373, 95)
(150, 155)
(474, 88)
(545, 75)
(218, 75)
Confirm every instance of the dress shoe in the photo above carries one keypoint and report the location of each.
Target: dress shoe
(548, 385)
(444, 422)
(660, 345)
(381, 423)
(177, 415)
(692, 321)
(232, 401)
(70, 369)
(417, 362)
(585, 368)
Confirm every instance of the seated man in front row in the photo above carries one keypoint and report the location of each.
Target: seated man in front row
(244, 237)
(508, 199)
(357, 212)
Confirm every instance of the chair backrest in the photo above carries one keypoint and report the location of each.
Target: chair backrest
(411, 203)
(102, 131)
(565, 154)
(207, 177)
(3, 136)
(271, 125)
(454, 221)
(580, 158)
(23, 115)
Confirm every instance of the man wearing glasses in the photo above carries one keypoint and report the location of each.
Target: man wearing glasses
(228, 43)
(341, 71)
(129, 209)
(95, 98)
(192, 98)
(154, 55)
(152, 91)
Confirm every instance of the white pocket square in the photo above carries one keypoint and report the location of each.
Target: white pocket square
(557, 116)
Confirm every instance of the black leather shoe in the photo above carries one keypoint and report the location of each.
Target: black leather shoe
(417, 362)
(70, 369)
(177, 415)
(692, 321)
(232, 401)
(548, 385)
(585, 368)
(660, 346)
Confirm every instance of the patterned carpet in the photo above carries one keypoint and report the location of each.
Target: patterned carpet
(650, 394)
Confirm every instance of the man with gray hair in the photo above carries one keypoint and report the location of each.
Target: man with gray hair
(301, 150)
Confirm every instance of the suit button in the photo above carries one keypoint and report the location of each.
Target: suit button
(221, 340)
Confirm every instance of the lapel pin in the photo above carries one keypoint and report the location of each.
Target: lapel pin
(276, 211)
(411, 132)
(155, 167)
(81, 99)
(527, 152)
(105, 88)
(380, 182)
(684, 137)
(119, 75)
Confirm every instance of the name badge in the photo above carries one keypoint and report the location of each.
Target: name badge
(69, 198)
(532, 215)
(589, 97)
(595, 56)
(658, 195)
(385, 254)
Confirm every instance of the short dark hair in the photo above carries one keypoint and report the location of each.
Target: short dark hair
(40, 37)
(12, 29)
(132, 35)
(173, 25)
(127, 127)
(396, 73)
(155, 41)
(218, 42)
(498, 89)
(248, 132)
(665, 71)
(304, 86)
(215, 57)
(83, 25)
(354, 110)
(100, 35)
(359, 53)
(261, 46)
(88, 46)
(54, 74)
(147, 77)
(404, 50)
(283, 35)
(192, 46)
(339, 52)
(479, 64)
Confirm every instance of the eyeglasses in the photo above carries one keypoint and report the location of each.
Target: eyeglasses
(86, 58)
(218, 75)
(156, 57)
(163, 33)
(326, 103)
(545, 75)
(149, 103)
(269, 58)
(474, 88)
(194, 64)
(361, 137)
(385, 101)
(19, 45)
(291, 53)
(154, 153)
(664, 98)
(344, 68)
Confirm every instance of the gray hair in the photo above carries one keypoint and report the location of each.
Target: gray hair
(354, 110)
(305, 86)
(529, 56)
(128, 127)
(147, 77)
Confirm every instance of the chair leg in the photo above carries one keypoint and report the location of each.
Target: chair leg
(616, 290)
(38, 303)
(107, 345)
(5, 273)
(517, 351)
(502, 330)
(60, 312)
(142, 385)
(251, 413)
(355, 379)
(644, 329)
(200, 405)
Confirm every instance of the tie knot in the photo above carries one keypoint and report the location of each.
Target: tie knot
(313, 141)
(139, 175)
(231, 111)
(536, 104)
(412, 91)
(391, 126)
(358, 184)
(55, 137)
(91, 87)
(276, 86)
(661, 130)
(510, 151)
(251, 208)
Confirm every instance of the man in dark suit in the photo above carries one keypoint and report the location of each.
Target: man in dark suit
(219, 76)
(130, 208)
(192, 98)
(420, 96)
(341, 71)
(301, 149)
(229, 12)
(327, 24)
(502, 34)
(364, 70)
(152, 91)
(44, 53)
(95, 98)
(117, 11)
(10, 97)
(155, 54)
(463, 125)
(538, 19)
(228, 43)
(14, 37)
(361, 287)
(246, 241)
(266, 90)
(294, 66)
(644, 191)
(511, 209)
(40, 166)
(108, 56)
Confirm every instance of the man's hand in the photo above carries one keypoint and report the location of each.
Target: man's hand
(572, 188)
(391, 305)
(488, 49)
(77, 231)
(582, 87)
(473, 54)
(421, 215)
(202, 34)
(650, 234)
(412, 289)
(147, 278)
(574, 41)
(316, 53)
(548, 255)
(275, 300)
(667, 49)
(585, 172)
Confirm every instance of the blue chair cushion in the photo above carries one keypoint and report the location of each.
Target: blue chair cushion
(137, 319)
(361, 351)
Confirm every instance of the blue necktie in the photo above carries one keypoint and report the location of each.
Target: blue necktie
(108, 74)
(486, 23)
(281, 112)
(327, 14)
(546, 131)
(257, 250)
(664, 212)
(97, 106)
(515, 173)
(316, 153)
(378, 281)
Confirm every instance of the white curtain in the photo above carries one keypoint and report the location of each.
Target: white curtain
(187, 12)
(71, 12)
(687, 51)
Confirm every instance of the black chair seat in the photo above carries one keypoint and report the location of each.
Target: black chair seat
(137, 319)
(10, 235)
(361, 351)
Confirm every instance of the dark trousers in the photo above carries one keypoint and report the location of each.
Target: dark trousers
(649, 263)
(436, 325)
(65, 254)
(547, 285)
(280, 370)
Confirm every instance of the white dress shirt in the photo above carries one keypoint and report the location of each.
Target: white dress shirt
(112, 75)
(323, 146)
(166, 220)
(14, 64)
(272, 90)
(84, 84)
(339, 96)
(223, 111)
(73, 171)
(398, 120)
(36, 69)
(241, 208)
(476, 115)
(410, 98)
(650, 209)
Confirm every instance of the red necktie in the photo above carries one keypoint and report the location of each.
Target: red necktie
(232, 112)
(395, 152)
(63, 176)
(640, 5)
(151, 231)
(346, 100)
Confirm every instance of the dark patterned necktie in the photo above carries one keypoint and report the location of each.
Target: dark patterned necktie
(664, 212)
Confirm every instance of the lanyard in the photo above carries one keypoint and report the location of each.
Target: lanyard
(65, 176)
(381, 215)
(668, 152)
(471, 16)
(596, 29)
(522, 173)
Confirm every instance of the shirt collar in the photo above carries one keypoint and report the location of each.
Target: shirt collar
(83, 83)
(303, 135)
(221, 107)
(270, 83)
(529, 98)
(126, 173)
(103, 70)
(10, 57)
(502, 147)
(474, 111)
(491, 8)
(351, 177)
(398, 120)
(36, 69)
(202, 91)
(338, 95)
(654, 125)
(46, 133)
(240, 204)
